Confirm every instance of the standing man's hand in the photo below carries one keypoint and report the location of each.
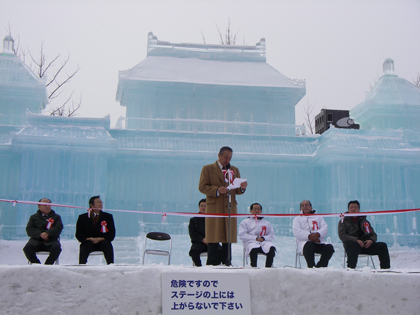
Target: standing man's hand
(244, 185)
(223, 190)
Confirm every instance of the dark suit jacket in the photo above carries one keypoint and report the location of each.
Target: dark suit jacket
(85, 227)
(197, 230)
(38, 223)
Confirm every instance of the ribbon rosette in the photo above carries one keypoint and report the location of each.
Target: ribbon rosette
(367, 228)
(50, 223)
(104, 229)
(263, 230)
(229, 176)
(89, 212)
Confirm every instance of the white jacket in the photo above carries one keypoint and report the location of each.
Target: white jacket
(250, 229)
(305, 225)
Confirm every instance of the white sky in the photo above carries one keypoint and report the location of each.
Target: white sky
(338, 47)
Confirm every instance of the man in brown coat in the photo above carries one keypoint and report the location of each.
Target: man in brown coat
(214, 180)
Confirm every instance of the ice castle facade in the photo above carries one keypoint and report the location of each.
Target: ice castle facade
(184, 102)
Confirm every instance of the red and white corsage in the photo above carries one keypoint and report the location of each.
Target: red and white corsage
(104, 229)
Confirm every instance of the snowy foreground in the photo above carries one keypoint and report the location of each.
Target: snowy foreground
(134, 289)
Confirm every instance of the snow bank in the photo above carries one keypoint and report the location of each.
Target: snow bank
(39, 289)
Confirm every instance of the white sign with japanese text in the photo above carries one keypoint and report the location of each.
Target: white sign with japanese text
(205, 293)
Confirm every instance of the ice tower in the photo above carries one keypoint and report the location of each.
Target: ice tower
(393, 103)
(206, 88)
(20, 88)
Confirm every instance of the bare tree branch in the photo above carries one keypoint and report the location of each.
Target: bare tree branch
(61, 84)
(71, 110)
(416, 81)
(75, 106)
(204, 38)
(44, 67)
(229, 37)
(372, 85)
(220, 36)
(308, 109)
(59, 69)
(59, 111)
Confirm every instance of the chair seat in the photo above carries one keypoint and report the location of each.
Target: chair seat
(363, 256)
(45, 253)
(245, 259)
(298, 255)
(159, 237)
(202, 255)
(157, 252)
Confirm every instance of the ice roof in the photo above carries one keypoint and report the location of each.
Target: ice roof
(392, 90)
(14, 72)
(68, 130)
(194, 70)
(208, 64)
(349, 142)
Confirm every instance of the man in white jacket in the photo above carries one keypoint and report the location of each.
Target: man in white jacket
(310, 232)
(256, 235)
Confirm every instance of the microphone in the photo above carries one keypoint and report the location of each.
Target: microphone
(227, 166)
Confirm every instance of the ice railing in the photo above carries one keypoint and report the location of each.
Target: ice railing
(209, 126)
(412, 136)
(156, 47)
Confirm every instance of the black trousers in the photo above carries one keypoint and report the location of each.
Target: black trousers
(87, 247)
(353, 250)
(54, 250)
(309, 250)
(215, 256)
(195, 256)
(253, 256)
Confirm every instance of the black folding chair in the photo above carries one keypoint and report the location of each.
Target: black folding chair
(153, 237)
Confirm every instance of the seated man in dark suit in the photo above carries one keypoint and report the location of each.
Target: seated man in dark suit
(197, 230)
(95, 231)
(358, 237)
(43, 228)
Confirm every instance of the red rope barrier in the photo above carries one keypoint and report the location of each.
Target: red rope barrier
(195, 214)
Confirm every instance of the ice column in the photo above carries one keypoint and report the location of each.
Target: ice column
(8, 45)
(388, 66)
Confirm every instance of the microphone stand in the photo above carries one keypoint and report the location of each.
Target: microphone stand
(229, 240)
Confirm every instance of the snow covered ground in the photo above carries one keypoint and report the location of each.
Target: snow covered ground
(129, 288)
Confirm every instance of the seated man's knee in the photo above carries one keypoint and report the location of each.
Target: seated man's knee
(382, 246)
(308, 248)
(330, 249)
(56, 246)
(106, 243)
(28, 247)
(352, 245)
